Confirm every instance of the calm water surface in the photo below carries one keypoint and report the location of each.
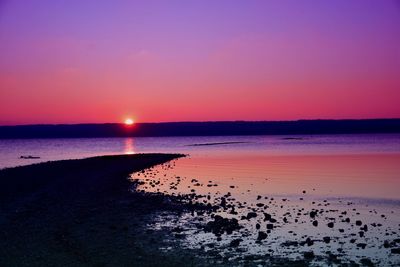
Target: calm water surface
(354, 176)
(336, 165)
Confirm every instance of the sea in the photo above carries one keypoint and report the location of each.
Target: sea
(338, 176)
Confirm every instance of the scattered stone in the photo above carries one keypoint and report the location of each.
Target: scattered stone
(221, 225)
(366, 262)
(180, 236)
(395, 250)
(235, 242)
(251, 215)
(386, 244)
(309, 255)
(267, 217)
(309, 242)
(361, 245)
(290, 244)
(261, 236)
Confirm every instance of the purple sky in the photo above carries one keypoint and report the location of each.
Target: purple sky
(103, 61)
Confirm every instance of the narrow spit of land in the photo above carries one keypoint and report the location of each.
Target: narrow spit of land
(218, 143)
(81, 213)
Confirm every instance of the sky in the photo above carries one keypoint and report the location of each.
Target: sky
(158, 61)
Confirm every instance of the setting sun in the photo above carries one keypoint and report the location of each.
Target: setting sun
(129, 122)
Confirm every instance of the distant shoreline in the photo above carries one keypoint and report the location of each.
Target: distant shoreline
(223, 128)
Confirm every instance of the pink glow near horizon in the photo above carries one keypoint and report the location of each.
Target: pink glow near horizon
(154, 62)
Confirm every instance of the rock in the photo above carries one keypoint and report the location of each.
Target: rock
(366, 262)
(330, 225)
(177, 229)
(333, 258)
(309, 242)
(261, 236)
(326, 239)
(180, 236)
(251, 215)
(221, 225)
(315, 223)
(267, 217)
(290, 244)
(386, 244)
(270, 226)
(395, 250)
(223, 202)
(358, 223)
(313, 214)
(309, 255)
(361, 245)
(235, 242)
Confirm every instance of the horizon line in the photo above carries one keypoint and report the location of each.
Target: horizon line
(211, 121)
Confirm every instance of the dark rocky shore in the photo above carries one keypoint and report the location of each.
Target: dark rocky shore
(91, 212)
(87, 212)
(81, 213)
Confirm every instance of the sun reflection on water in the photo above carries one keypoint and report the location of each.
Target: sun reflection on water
(129, 150)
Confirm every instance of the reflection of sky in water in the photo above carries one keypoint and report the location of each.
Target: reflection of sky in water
(363, 185)
(363, 169)
(369, 176)
(129, 146)
(56, 149)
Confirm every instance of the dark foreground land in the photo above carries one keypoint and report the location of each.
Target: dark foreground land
(88, 213)
(81, 213)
